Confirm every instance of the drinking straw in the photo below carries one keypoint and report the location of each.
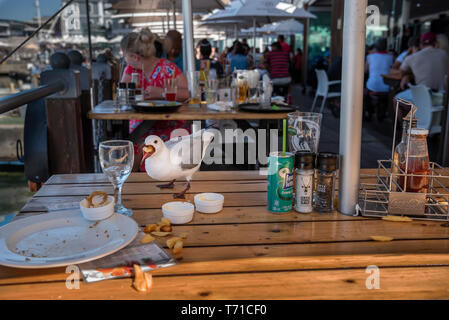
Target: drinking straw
(284, 136)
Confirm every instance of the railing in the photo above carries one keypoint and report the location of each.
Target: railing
(19, 99)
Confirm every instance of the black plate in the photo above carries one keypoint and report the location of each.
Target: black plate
(255, 107)
(156, 106)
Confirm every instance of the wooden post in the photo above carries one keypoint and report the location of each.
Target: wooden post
(337, 28)
(65, 136)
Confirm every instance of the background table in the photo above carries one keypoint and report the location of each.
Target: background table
(245, 252)
(105, 111)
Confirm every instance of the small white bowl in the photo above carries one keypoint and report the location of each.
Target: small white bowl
(100, 213)
(209, 202)
(179, 212)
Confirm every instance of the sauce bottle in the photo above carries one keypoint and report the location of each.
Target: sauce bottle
(400, 152)
(418, 163)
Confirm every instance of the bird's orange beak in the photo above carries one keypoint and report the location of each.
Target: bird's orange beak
(147, 152)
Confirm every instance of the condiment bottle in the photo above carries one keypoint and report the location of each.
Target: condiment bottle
(325, 187)
(135, 78)
(418, 163)
(400, 152)
(304, 171)
(122, 94)
(131, 93)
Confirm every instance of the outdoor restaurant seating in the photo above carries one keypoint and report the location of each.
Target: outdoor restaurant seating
(429, 116)
(324, 89)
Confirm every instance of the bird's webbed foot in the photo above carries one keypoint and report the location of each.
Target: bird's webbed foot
(169, 185)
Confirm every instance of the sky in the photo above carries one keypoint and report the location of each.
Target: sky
(25, 10)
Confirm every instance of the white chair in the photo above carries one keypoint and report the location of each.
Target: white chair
(322, 89)
(429, 116)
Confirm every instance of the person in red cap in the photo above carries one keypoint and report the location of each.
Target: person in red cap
(427, 67)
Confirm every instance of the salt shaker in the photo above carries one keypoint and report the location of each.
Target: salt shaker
(122, 95)
(304, 171)
(325, 186)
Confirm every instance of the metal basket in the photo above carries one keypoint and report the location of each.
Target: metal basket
(386, 196)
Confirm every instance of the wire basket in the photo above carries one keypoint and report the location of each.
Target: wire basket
(387, 193)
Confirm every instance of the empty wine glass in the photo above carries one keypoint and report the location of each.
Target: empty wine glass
(117, 159)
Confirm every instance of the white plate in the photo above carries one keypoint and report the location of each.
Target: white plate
(62, 238)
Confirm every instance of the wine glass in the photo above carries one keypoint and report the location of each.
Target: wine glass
(117, 159)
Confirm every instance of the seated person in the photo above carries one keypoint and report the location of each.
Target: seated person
(140, 54)
(378, 63)
(278, 63)
(413, 47)
(428, 67)
(238, 60)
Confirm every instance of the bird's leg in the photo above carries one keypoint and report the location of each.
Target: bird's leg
(169, 185)
(181, 195)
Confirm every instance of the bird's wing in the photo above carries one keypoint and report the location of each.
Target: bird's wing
(188, 151)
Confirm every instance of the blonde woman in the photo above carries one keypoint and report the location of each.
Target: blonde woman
(140, 55)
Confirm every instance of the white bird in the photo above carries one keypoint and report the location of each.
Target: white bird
(175, 159)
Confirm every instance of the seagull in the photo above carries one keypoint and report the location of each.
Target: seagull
(175, 159)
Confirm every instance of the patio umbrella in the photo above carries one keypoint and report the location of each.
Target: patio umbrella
(287, 27)
(261, 12)
(230, 24)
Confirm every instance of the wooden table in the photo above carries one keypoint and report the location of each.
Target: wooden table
(105, 111)
(245, 252)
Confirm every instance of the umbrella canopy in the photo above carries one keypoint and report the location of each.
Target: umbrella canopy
(261, 11)
(287, 27)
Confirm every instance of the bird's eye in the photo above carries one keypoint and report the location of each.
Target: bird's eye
(155, 141)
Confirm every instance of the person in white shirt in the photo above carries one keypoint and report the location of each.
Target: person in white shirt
(428, 67)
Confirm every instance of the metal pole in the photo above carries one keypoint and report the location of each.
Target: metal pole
(254, 34)
(174, 15)
(188, 35)
(168, 20)
(88, 31)
(354, 33)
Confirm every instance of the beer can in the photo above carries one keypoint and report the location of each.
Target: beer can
(280, 182)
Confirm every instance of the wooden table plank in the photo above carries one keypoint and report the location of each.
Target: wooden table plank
(143, 177)
(284, 257)
(395, 283)
(152, 188)
(233, 215)
(91, 178)
(233, 199)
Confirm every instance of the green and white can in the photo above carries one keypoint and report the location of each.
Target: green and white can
(280, 182)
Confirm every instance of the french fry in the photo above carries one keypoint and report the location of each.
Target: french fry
(381, 238)
(172, 241)
(147, 239)
(397, 219)
(166, 228)
(149, 228)
(143, 281)
(160, 234)
(178, 247)
(166, 221)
